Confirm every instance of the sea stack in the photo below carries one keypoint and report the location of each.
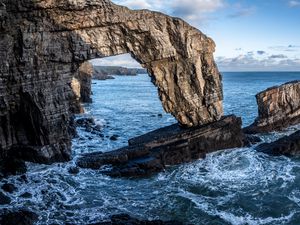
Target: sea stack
(278, 108)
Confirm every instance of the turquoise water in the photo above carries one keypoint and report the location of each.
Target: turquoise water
(236, 186)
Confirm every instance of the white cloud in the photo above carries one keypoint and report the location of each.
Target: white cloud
(248, 62)
(120, 60)
(135, 4)
(294, 3)
(190, 10)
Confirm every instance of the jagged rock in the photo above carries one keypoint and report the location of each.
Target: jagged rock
(43, 43)
(125, 219)
(90, 125)
(170, 145)
(288, 145)
(278, 108)
(251, 140)
(18, 217)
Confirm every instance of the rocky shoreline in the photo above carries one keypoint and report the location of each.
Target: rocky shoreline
(107, 72)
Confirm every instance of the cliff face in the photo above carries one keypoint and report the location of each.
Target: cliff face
(278, 108)
(43, 43)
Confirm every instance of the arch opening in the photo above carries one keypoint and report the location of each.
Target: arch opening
(125, 104)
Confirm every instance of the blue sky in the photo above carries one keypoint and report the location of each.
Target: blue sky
(256, 35)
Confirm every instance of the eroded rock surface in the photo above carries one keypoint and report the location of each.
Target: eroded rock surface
(278, 108)
(171, 145)
(43, 43)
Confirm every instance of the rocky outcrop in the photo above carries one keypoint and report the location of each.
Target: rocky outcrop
(288, 146)
(278, 108)
(171, 145)
(43, 43)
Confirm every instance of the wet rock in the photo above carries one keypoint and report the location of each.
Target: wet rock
(12, 166)
(114, 137)
(85, 122)
(23, 178)
(18, 217)
(125, 219)
(40, 57)
(170, 145)
(250, 140)
(10, 188)
(90, 125)
(73, 170)
(288, 146)
(4, 199)
(278, 108)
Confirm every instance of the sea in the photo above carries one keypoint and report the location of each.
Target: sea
(235, 186)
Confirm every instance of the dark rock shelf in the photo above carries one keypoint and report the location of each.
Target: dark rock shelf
(170, 145)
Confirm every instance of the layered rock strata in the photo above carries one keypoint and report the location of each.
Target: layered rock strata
(43, 43)
(171, 145)
(278, 108)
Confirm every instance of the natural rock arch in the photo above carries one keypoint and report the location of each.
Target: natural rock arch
(49, 41)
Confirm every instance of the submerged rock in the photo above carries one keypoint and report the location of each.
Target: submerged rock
(125, 219)
(18, 217)
(73, 170)
(288, 145)
(4, 199)
(44, 43)
(170, 145)
(278, 108)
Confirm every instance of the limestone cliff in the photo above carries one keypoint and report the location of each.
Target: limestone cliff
(278, 108)
(44, 42)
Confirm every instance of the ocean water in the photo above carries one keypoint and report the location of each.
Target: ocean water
(235, 186)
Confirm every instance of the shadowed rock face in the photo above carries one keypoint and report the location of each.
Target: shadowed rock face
(43, 43)
(278, 108)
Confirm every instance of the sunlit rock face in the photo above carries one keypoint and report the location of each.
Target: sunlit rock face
(43, 43)
(278, 108)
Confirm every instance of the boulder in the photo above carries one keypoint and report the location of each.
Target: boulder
(278, 108)
(170, 145)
